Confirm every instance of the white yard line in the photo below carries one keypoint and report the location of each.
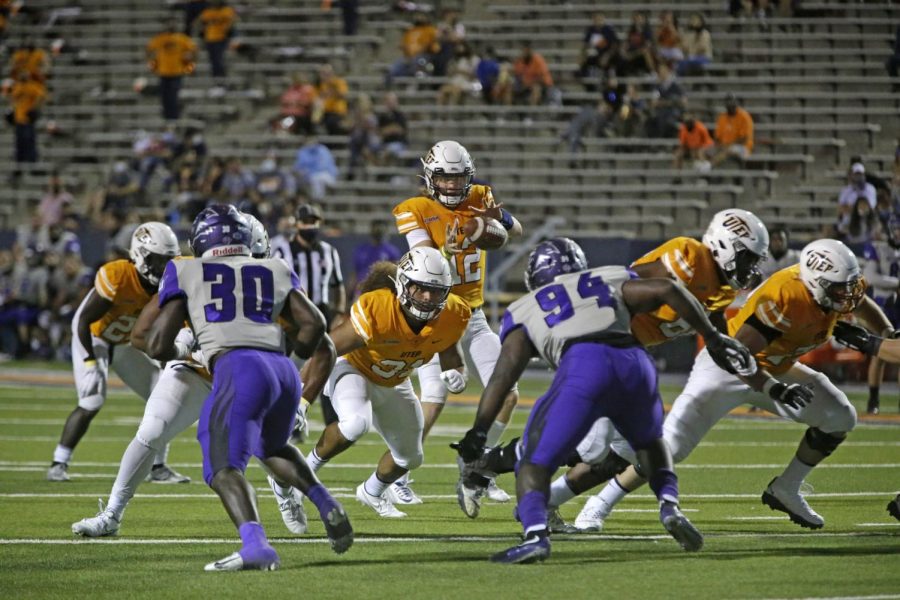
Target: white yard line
(875, 597)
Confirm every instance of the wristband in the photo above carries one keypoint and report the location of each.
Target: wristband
(506, 219)
(768, 385)
(90, 363)
(304, 404)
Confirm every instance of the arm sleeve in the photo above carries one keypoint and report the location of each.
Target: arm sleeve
(679, 262)
(360, 317)
(337, 278)
(107, 281)
(407, 219)
(772, 311)
(169, 288)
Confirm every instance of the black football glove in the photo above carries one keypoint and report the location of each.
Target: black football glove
(793, 395)
(731, 355)
(857, 338)
(471, 447)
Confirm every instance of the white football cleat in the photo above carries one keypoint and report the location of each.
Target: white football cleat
(102, 525)
(778, 497)
(495, 494)
(291, 508)
(58, 472)
(469, 498)
(592, 516)
(165, 474)
(399, 492)
(384, 507)
(266, 561)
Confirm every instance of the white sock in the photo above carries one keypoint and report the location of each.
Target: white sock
(161, 456)
(62, 454)
(134, 468)
(560, 492)
(315, 462)
(612, 493)
(495, 433)
(281, 492)
(795, 473)
(375, 486)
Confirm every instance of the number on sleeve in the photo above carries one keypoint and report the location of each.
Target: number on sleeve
(554, 300)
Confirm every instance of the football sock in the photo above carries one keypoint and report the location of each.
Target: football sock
(533, 511)
(612, 493)
(321, 498)
(315, 462)
(134, 468)
(161, 456)
(495, 432)
(404, 479)
(253, 535)
(281, 492)
(375, 486)
(62, 454)
(560, 492)
(664, 484)
(873, 394)
(795, 473)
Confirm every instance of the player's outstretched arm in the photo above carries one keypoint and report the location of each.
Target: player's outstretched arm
(756, 337)
(161, 338)
(307, 320)
(145, 320)
(315, 372)
(873, 317)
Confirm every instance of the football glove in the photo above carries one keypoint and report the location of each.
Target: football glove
(92, 379)
(454, 380)
(857, 338)
(793, 395)
(471, 447)
(731, 355)
(300, 432)
(184, 344)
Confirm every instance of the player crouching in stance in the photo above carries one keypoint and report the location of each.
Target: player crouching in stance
(886, 349)
(405, 316)
(579, 321)
(233, 302)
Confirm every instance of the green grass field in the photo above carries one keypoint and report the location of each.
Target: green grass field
(170, 532)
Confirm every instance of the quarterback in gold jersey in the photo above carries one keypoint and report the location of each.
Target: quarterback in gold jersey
(101, 329)
(437, 221)
(791, 313)
(405, 316)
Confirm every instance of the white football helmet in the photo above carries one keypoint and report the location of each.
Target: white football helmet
(426, 269)
(738, 241)
(448, 173)
(153, 245)
(260, 247)
(831, 273)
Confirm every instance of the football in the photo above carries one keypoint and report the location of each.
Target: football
(485, 233)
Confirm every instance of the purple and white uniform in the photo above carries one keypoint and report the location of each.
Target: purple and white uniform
(881, 269)
(233, 303)
(581, 326)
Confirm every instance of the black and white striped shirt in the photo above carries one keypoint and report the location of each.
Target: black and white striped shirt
(318, 266)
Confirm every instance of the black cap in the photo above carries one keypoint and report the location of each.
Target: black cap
(306, 212)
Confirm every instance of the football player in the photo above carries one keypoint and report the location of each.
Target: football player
(173, 405)
(405, 316)
(790, 314)
(100, 335)
(436, 221)
(881, 268)
(233, 302)
(579, 321)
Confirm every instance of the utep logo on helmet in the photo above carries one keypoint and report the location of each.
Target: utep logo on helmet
(143, 235)
(819, 262)
(737, 226)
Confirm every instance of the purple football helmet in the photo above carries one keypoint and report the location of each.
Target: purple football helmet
(220, 226)
(552, 258)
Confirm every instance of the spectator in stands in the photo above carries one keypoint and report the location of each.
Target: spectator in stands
(316, 168)
(861, 224)
(30, 59)
(667, 104)
(192, 10)
(56, 202)
(349, 14)
(463, 77)
(533, 78)
(118, 197)
(632, 117)
(58, 239)
(376, 249)
(613, 93)
(505, 84)
(298, 105)
(151, 151)
(364, 143)
(487, 72)
(27, 97)
(593, 120)
(698, 48)
(668, 39)
(392, 130)
(218, 27)
(734, 133)
(238, 185)
(637, 55)
(171, 56)
(599, 51)
(69, 283)
(781, 255)
(418, 45)
(694, 142)
(893, 62)
(450, 34)
(275, 185)
(857, 187)
(332, 92)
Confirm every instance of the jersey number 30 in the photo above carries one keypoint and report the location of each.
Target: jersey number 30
(257, 293)
(555, 300)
